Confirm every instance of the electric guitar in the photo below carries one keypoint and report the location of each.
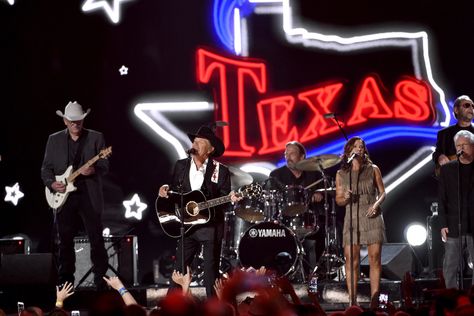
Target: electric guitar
(57, 199)
(196, 211)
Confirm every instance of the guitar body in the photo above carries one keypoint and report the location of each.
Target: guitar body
(169, 213)
(56, 199)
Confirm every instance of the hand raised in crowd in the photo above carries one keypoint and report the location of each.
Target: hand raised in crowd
(163, 191)
(63, 293)
(114, 282)
(219, 286)
(317, 197)
(183, 280)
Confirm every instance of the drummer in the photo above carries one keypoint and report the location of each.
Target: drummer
(288, 175)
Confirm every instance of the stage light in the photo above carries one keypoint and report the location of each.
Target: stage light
(415, 234)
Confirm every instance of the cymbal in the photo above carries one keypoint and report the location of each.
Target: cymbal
(239, 178)
(317, 162)
(331, 190)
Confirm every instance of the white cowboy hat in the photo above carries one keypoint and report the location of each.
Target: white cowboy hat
(73, 112)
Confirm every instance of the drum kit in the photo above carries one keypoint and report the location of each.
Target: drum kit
(269, 230)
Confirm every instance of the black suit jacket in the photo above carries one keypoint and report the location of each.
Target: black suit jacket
(210, 189)
(448, 198)
(55, 162)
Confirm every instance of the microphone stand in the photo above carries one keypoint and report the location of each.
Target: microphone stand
(461, 257)
(181, 208)
(352, 299)
(340, 127)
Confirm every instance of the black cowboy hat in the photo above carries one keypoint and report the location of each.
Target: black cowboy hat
(207, 133)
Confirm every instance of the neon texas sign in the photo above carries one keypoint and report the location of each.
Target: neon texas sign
(233, 78)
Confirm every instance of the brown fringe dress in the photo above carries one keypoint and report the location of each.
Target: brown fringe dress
(366, 230)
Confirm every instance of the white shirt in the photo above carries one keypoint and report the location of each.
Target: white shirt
(196, 176)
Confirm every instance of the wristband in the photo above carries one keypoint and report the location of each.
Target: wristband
(59, 304)
(122, 291)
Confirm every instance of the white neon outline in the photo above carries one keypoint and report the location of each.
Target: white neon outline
(163, 127)
(140, 207)
(13, 194)
(123, 70)
(335, 42)
(400, 179)
(112, 12)
(237, 33)
(261, 167)
(11, 2)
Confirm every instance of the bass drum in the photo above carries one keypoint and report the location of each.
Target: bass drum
(272, 246)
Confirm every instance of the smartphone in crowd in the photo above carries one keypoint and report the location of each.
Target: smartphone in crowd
(21, 307)
(383, 300)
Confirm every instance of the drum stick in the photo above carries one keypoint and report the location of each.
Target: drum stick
(313, 184)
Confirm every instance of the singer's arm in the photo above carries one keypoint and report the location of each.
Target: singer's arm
(380, 188)
(342, 196)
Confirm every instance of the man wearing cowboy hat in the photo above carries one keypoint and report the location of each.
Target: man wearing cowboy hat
(74, 146)
(202, 172)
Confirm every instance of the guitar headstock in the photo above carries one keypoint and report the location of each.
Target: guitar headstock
(106, 152)
(251, 190)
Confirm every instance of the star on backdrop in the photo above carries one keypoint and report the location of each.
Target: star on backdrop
(123, 70)
(134, 207)
(112, 11)
(13, 194)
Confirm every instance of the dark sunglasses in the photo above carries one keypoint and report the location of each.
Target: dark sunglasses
(467, 105)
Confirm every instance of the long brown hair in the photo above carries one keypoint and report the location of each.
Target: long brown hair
(347, 152)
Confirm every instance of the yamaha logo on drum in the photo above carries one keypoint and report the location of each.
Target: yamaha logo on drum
(267, 233)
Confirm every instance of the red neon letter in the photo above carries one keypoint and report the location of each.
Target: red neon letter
(413, 101)
(319, 101)
(276, 113)
(232, 75)
(369, 104)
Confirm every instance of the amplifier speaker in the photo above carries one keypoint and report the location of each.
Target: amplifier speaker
(9, 246)
(397, 258)
(27, 269)
(122, 252)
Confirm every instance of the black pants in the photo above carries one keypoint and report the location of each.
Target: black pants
(210, 238)
(78, 206)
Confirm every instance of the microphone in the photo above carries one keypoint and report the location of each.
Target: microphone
(191, 151)
(329, 115)
(349, 160)
(459, 153)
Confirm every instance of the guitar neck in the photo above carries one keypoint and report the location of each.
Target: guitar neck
(214, 202)
(76, 173)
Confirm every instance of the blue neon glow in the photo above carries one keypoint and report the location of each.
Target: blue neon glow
(373, 136)
(222, 17)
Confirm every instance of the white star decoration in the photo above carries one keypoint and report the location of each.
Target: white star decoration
(123, 70)
(134, 207)
(13, 194)
(112, 11)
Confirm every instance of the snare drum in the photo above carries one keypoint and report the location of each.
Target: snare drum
(295, 199)
(271, 245)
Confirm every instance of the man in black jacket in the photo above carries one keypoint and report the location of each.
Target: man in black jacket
(456, 196)
(202, 172)
(74, 146)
